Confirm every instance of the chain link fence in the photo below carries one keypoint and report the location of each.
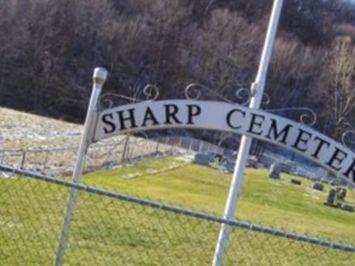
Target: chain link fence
(109, 228)
(58, 161)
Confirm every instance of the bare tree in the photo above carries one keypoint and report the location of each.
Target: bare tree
(338, 94)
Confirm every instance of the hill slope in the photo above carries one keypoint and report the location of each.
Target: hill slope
(20, 130)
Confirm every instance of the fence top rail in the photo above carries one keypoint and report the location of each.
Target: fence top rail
(178, 210)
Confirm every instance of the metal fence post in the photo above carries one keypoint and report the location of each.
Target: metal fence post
(200, 146)
(125, 149)
(99, 78)
(2, 157)
(157, 147)
(257, 91)
(46, 159)
(23, 161)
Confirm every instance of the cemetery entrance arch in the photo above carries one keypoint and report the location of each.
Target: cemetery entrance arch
(222, 116)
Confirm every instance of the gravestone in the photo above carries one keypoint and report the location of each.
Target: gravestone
(331, 199)
(324, 180)
(341, 192)
(275, 171)
(202, 159)
(215, 157)
(108, 165)
(253, 162)
(296, 182)
(318, 186)
(227, 167)
(334, 182)
(347, 207)
(285, 168)
(335, 198)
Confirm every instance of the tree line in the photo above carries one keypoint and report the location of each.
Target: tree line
(48, 49)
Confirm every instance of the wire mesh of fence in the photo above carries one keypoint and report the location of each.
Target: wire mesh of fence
(59, 160)
(110, 228)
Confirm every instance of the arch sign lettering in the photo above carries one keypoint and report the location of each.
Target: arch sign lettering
(221, 116)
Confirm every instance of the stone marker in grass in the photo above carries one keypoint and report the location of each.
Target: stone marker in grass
(227, 167)
(347, 207)
(202, 159)
(341, 193)
(109, 165)
(296, 182)
(331, 199)
(318, 186)
(275, 171)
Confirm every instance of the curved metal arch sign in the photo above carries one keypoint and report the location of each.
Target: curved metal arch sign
(234, 118)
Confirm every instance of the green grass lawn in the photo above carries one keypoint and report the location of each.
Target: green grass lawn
(264, 201)
(111, 232)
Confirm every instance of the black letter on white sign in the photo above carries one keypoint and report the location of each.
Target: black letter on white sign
(302, 138)
(351, 171)
(170, 114)
(277, 134)
(229, 118)
(130, 118)
(336, 159)
(111, 126)
(256, 123)
(149, 116)
(320, 146)
(193, 110)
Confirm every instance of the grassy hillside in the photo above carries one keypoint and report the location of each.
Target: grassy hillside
(263, 200)
(111, 232)
(20, 130)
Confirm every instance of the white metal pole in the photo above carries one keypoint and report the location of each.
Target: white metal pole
(257, 90)
(99, 78)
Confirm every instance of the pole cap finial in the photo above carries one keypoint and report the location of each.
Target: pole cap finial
(100, 75)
